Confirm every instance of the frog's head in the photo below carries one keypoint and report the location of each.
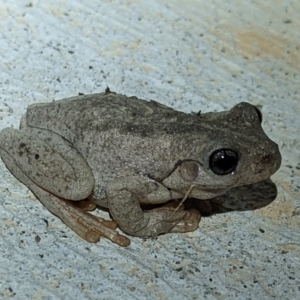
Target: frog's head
(231, 151)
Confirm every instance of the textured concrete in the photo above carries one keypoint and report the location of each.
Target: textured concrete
(192, 55)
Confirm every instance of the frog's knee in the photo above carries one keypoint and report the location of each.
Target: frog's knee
(7, 140)
(66, 174)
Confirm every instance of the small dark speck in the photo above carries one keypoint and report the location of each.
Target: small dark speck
(90, 67)
(71, 52)
(10, 289)
(37, 238)
(261, 230)
(58, 79)
(36, 156)
(41, 255)
(80, 94)
(179, 269)
(245, 286)
(210, 279)
(46, 221)
(287, 21)
(291, 278)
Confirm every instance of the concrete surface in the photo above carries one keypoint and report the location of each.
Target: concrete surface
(192, 55)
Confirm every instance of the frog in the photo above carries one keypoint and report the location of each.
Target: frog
(124, 154)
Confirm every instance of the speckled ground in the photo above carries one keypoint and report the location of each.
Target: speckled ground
(192, 55)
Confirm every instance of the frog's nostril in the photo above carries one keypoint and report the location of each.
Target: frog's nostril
(267, 158)
(273, 160)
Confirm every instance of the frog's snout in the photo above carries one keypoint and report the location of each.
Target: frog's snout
(272, 159)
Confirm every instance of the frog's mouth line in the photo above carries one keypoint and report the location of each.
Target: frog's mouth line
(208, 189)
(216, 191)
(223, 188)
(205, 193)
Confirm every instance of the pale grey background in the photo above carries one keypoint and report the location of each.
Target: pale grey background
(191, 55)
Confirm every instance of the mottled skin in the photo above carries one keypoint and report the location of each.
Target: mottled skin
(121, 152)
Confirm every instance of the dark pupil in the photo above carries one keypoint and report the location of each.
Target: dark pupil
(223, 161)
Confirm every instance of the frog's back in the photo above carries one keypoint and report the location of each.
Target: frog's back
(99, 113)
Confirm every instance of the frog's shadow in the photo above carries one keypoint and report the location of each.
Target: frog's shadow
(242, 198)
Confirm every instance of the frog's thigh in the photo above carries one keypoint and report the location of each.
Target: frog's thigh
(124, 198)
(87, 226)
(49, 161)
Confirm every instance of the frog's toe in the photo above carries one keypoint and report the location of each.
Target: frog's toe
(189, 222)
(90, 227)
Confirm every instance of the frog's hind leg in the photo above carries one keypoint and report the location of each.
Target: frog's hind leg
(87, 226)
(127, 193)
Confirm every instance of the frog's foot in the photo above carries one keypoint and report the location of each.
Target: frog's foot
(188, 220)
(150, 223)
(168, 219)
(87, 226)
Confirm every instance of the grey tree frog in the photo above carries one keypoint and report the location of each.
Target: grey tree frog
(122, 152)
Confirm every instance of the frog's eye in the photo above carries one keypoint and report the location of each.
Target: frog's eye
(259, 114)
(223, 161)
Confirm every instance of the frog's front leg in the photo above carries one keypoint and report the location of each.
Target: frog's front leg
(55, 172)
(125, 196)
